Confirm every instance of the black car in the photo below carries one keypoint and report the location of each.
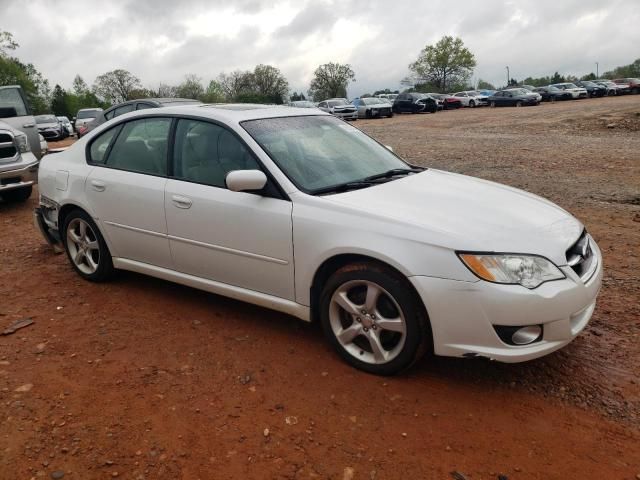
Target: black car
(551, 94)
(50, 127)
(513, 97)
(414, 103)
(593, 89)
(141, 104)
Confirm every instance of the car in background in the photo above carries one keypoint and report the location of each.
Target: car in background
(50, 127)
(66, 124)
(449, 101)
(414, 103)
(44, 146)
(593, 89)
(83, 118)
(611, 87)
(302, 104)
(513, 97)
(486, 93)
(131, 105)
(18, 163)
(339, 107)
(388, 96)
(471, 98)
(372, 107)
(299, 212)
(575, 91)
(551, 94)
(16, 112)
(633, 83)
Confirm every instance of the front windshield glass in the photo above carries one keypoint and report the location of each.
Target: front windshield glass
(372, 101)
(87, 114)
(318, 152)
(46, 119)
(335, 103)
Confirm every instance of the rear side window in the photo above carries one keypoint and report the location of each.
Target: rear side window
(100, 145)
(143, 106)
(123, 109)
(10, 97)
(141, 146)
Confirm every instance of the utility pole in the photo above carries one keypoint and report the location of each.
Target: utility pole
(508, 76)
(597, 70)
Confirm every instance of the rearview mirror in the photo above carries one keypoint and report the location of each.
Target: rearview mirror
(246, 180)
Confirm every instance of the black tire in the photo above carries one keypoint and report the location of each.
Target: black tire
(472, 104)
(518, 103)
(417, 336)
(390, 115)
(492, 104)
(17, 195)
(104, 270)
(367, 114)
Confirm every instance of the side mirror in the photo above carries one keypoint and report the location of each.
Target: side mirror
(246, 180)
(388, 148)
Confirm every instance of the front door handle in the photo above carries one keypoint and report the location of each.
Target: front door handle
(98, 186)
(181, 202)
(28, 125)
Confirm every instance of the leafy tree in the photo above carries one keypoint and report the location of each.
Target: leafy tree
(330, 81)
(6, 43)
(235, 84)
(59, 102)
(79, 86)
(213, 93)
(191, 87)
(627, 71)
(444, 64)
(269, 82)
(590, 76)
(116, 86)
(513, 83)
(483, 85)
(386, 90)
(296, 97)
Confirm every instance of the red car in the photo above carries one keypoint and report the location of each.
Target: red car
(634, 83)
(450, 102)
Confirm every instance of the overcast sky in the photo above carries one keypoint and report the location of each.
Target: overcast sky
(162, 40)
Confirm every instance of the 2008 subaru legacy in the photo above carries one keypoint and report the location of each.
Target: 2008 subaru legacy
(300, 212)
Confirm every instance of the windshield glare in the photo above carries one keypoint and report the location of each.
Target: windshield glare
(317, 152)
(88, 114)
(46, 119)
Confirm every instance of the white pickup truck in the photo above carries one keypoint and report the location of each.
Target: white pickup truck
(19, 146)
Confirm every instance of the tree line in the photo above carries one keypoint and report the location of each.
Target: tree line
(445, 66)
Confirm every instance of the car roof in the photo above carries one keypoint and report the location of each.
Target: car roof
(231, 113)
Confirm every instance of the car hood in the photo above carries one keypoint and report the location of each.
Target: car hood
(465, 213)
(47, 125)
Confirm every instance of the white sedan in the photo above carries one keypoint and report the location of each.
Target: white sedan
(472, 98)
(298, 211)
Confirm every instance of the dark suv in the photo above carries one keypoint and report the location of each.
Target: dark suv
(593, 89)
(140, 104)
(414, 103)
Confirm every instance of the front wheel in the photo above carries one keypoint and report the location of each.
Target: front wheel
(472, 104)
(492, 104)
(373, 319)
(86, 248)
(518, 103)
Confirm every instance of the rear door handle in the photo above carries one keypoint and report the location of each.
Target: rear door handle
(98, 186)
(181, 202)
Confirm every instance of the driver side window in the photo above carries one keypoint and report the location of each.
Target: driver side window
(205, 153)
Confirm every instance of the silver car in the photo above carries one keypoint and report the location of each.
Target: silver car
(373, 107)
(66, 124)
(340, 107)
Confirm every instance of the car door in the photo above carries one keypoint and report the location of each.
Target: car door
(237, 238)
(126, 189)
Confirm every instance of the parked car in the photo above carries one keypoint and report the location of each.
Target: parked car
(340, 107)
(487, 93)
(414, 103)
(44, 146)
(371, 107)
(50, 127)
(83, 118)
(551, 94)
(612, 88)
(316, 219)
(575, 91)
(131, 105)
(18, 164)
(593, 89)
(388, 96)
(633, 83)
(449, 101)
(513, 97)
(16, 112)
(471, 98)
(66, 124)
(302, 104)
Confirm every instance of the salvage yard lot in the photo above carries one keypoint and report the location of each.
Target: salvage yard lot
(140, 378)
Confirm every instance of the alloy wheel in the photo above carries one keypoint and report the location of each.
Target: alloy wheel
(83, 246)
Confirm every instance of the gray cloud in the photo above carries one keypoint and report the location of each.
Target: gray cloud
(162, 40)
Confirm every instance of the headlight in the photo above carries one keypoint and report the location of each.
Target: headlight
(22, 143)
(527, 270)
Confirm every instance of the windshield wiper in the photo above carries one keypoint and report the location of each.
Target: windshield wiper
(392, 173)
(344, 187)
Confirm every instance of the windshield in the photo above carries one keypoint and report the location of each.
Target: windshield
(335, 103)
(46, 119)
(87, 114)
(317, 152)
(373, 101)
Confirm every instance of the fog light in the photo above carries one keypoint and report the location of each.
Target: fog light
(526, 335)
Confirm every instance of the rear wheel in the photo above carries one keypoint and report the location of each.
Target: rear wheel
(492, 104)
(373, 319)
(17, 194)
(86, 248)
(518, 103)
(472, 104)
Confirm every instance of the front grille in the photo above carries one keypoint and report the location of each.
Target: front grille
(7, 147)
(581, 258)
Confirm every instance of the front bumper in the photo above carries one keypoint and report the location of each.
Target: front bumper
(346, 115)
(21, 174)
(463, 314)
